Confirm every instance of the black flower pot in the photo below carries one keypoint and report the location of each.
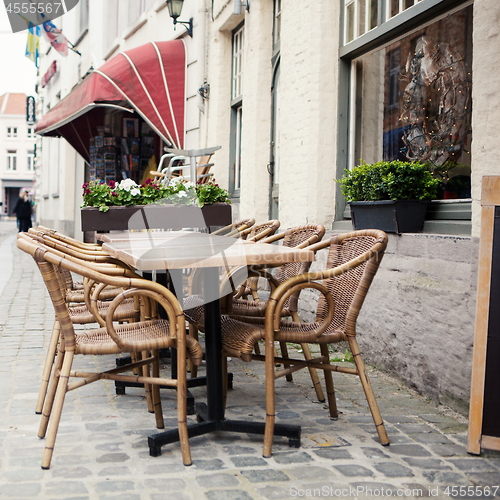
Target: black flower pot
(400, 216)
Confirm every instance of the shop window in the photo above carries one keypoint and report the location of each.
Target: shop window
(11, 160)
(413, 102)
(30, 164)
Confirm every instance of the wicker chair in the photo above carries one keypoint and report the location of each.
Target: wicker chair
(91, 306)
(352, 263)
(148, 334)
(194, 303)
(297, 236)
(235, 228)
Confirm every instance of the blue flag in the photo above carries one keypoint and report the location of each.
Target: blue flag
(32, 44)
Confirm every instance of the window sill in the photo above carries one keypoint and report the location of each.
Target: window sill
(136, 26)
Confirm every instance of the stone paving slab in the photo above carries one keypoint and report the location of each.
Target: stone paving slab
(101, 450)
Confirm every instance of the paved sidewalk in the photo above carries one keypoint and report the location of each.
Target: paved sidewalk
(101, 451)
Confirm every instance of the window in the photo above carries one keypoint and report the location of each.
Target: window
(11, 159)
(31, 132)
(236, 111)
(413, 101)
(238, 39)
(84, 15)
(361, 16)
(277, 22)
(135, 9)
(11, 131)
(31, 160)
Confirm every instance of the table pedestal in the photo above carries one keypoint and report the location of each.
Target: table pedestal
(211, 415)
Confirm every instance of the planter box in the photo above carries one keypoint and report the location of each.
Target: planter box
(400, 216)
(155, 217)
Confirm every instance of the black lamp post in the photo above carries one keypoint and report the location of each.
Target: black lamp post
(174, 9)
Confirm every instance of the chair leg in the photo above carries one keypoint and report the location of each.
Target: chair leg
(330, 390)
(314, 374)
(51, 393)
(193, 369)
(147, 387)
(270, 400)
(156, 391)
(182, 402)
(47, 368)
(284, 354)
(224, 379)
(370, 396)
(57, 410)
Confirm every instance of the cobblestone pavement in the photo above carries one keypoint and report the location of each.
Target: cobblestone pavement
(101, 451)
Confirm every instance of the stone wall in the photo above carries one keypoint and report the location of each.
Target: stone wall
(418, 318)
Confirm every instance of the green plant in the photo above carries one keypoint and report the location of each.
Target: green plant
(211, 192)
(338, 357)
(389, 180)
(127, 192)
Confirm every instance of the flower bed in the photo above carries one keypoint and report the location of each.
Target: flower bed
(128, 193)
(152, 205)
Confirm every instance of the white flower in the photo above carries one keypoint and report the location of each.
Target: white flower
(190, 184)
(175, 180)
(182, 194)
(127, 184)
(135, 191)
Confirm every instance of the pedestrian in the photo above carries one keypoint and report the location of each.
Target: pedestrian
(23, 211)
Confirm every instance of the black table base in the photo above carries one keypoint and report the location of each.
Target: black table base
(211, 415)
(204, 426)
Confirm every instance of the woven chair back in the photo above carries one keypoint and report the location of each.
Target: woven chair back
(298, 237)
(263, 230)
(350, 288)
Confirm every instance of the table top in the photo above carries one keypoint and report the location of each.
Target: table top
(185, 249)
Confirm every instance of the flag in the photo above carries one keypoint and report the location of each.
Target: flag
(55, 37)
(33, 44)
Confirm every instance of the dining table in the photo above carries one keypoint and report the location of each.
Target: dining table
(174, 251)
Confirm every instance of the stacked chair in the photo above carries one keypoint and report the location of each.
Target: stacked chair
(353, 260)
(241, 305)
(142, 337)
(86, 302)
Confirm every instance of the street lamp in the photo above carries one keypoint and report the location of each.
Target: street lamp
(174, 10)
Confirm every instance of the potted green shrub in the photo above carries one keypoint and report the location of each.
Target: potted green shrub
(389, 195)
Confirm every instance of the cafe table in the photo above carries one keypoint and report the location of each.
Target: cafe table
(173, 251)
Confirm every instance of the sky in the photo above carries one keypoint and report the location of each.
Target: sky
(17, 72)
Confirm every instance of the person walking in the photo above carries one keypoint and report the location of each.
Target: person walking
(23, 211)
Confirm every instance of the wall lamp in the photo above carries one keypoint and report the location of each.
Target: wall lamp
(174, 10)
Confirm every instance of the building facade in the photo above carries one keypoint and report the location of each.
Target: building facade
(17, 146)
(297, 92)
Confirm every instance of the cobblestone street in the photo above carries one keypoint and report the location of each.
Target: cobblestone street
(101, 450)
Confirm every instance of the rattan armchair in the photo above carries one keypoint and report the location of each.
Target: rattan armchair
(148, 334)
(90, 304)
(235, 228)
(353, 260)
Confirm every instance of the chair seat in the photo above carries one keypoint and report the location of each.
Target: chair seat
(154, 333)
(82, 316)
(240, 334)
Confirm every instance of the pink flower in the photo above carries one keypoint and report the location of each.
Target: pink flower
(112, 184)
(113, 194)
(88, 191)
(148, 181)
(85, 186)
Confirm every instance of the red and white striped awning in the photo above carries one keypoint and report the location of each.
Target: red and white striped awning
(149, 80)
